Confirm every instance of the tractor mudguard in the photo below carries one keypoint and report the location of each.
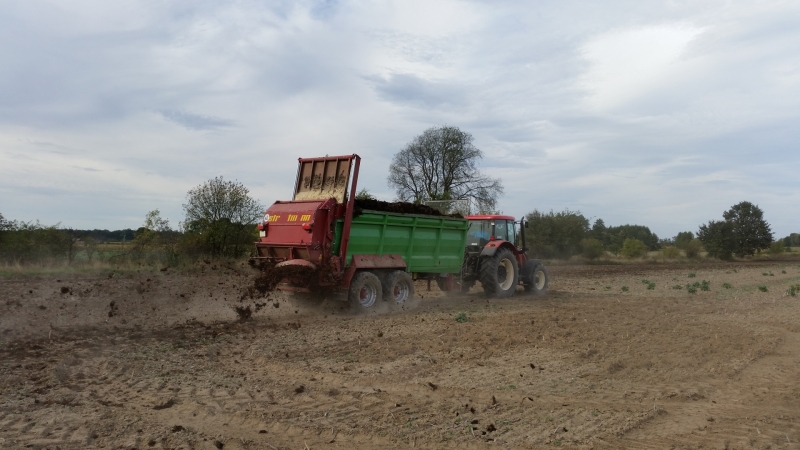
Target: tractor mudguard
(491, 248)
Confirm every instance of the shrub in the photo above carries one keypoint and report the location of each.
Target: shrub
(693, 248)
(670, 252)
(726, 285)
(777, 248)
(691, 289)
(461, 317)
(762, 288)
(625, 289)
(592, 248)
(633, 248)
(793, 290)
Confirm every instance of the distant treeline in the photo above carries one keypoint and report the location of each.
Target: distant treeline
(567, 233)
(220, 218)
(742, 232)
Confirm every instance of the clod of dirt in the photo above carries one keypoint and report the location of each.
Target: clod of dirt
(42, 307)
(433, 386)
(66, 290)
(532, 366)
(219, 444)
(168, 404)
(112, 309)
(494, 400)
(243, 312)
(177, 428)
(490, 428)
(262, 431)
(299, 389)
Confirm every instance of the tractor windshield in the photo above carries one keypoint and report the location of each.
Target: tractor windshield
(481, 231)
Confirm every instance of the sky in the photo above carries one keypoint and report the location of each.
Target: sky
(659, 113)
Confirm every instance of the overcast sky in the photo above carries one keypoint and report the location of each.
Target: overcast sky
(662, 114)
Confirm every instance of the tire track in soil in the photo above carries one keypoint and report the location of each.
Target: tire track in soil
(757, 408)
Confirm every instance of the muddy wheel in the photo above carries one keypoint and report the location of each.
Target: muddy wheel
(535, 278)
(365, 290)
(398, 286)
(500, 274)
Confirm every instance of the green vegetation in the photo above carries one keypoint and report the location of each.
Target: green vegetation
(220, 222)
(625, 289)
(777, 247)
(633, 248)
(742, 232)
(592, 248)
(692, 274)
(461, 317)
(671, 252)
(726, 285)
(555, 235)
(762, 288)
(793, 290)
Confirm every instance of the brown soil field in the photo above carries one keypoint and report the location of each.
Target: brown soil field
(163, 360)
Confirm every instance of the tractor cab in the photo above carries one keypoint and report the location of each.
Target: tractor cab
(485, 228)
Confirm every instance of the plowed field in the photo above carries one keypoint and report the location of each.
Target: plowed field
(611, 357)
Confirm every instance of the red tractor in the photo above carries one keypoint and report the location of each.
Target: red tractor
(494, 258)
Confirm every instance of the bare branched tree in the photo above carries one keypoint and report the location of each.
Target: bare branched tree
(442, 164)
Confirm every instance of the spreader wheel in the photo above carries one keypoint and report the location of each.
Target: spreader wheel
(365, 290)
(398, 287)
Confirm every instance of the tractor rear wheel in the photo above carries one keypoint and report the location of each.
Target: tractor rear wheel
(535, 278)
(365, 290)
(500, 274)
(398, 287)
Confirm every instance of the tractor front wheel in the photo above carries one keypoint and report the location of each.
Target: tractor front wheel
(535, 278)
(500, 274)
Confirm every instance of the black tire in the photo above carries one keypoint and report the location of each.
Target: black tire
(495, 277)
(535, 278)
(398, 287)
(365, 290)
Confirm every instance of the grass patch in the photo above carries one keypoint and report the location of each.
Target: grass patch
(692, 274)
(763, 288)
(726, 285)
(461, 317)
(625, 289)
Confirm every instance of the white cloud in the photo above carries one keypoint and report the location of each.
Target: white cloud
(636, 112)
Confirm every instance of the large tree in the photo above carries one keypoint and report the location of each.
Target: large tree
(555, 234)
(442, 164)
(743, 232)
(222, 215)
